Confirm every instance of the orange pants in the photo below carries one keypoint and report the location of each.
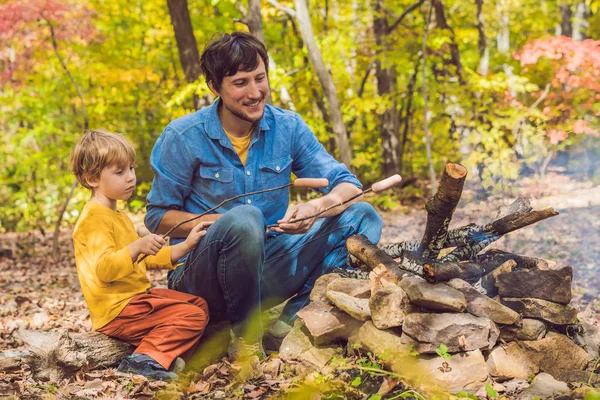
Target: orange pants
(162, 323)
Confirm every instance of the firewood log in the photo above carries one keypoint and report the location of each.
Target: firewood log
(58, 355)
(440, 209)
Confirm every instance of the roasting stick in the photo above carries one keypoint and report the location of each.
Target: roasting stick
(314, 183)
(377, 187)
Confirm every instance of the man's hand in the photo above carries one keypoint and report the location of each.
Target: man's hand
(150, 244)
(297, 212)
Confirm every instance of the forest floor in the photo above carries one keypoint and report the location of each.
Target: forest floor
(41, 293)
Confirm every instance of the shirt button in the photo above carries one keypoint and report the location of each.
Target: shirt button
(248, 173)
(217, 175)
(249, 201)
(277, 168)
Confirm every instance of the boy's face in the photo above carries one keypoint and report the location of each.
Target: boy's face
(116, 182)
(244, 94)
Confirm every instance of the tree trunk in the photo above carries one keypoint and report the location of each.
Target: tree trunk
(442, 23)
(186, 41)
(503, 37)
(566, 29)
(484, 54)
(254, 20)
(326, 81)
(386, 87)
(581, 21)
(428, 139)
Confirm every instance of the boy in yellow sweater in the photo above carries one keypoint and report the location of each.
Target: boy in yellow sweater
(162, 323)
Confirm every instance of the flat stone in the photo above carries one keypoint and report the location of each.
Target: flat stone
(297, 346)
(355, 307)
(482, 306)
(488, 281)
(587, 337)
(557, 353)
(318, 293)
(548, 311)
(379, 341)
(511, 361)
(388, 307)
(530, 329)
(318, 356)
(521, 359)
(380, 277)
(465, 371)
(433, 296)
(459, 332)
(545, 386)
(295, 343)
(327, 323)
(360, 288)
(550, 285)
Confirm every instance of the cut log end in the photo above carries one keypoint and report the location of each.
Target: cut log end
(429, 273)
(456, 171)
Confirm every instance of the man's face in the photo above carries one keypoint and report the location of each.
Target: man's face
(244, 94)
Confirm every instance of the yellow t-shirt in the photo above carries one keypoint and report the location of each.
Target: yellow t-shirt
(108, 277)
(241, 145)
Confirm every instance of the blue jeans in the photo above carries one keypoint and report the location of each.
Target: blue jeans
(240, 269)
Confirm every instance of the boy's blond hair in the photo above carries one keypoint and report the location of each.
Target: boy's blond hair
(96, 150)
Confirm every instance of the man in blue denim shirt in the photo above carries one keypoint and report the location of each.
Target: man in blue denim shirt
(239, 145)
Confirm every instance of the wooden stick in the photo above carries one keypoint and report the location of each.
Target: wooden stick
(315, 183)
(372, 257)
(440, 209)
(377, 187)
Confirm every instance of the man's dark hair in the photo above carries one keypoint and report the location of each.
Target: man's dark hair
(230, 53)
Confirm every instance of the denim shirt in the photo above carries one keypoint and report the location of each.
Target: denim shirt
(195, 165)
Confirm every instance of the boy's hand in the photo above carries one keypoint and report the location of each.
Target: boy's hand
(196, 234)
(150, 244)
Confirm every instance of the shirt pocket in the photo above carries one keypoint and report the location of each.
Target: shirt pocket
(273, 174)
(217, 183)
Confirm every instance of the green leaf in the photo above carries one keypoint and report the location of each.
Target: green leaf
(463, 394)
(491, 392)
(592, 395)
(356, 382)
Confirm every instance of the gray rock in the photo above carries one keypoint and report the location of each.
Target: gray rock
(550, 285)
(388, 307)
(360, 288)
(433, 296)
(587, 337)
(482, 306)
(297, 346)
(536, 308)
(488, 281)
(530, 329)
(545, 386)
(320, 287)
(379, 341)
(459, 332)
(327, 323)
(355, 307)
(295, 343)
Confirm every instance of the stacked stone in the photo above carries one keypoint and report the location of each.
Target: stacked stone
(511, 333)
